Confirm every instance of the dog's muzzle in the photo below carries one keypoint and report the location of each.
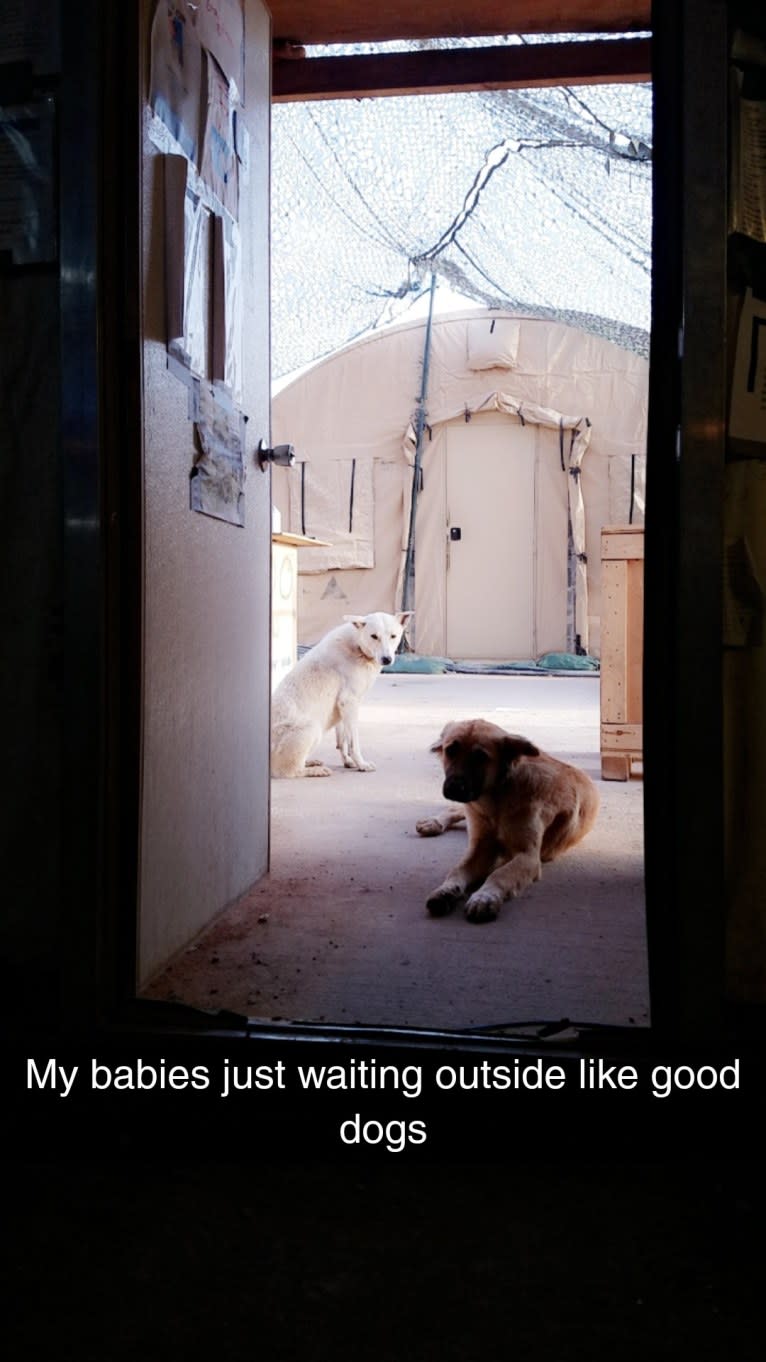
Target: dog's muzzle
(455, 787)
(386, 661)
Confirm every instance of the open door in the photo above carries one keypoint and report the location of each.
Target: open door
(204, 814)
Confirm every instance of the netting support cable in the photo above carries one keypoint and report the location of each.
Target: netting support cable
(408, 588)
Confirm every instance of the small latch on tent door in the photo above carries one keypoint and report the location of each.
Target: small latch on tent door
(282, 455)
(455, 532)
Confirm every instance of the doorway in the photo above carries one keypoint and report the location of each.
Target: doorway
(506, 541)
(211, 846)
(491, 540)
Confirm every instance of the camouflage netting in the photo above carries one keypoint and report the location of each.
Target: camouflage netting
(537, 200)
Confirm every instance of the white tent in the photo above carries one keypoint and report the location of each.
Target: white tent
(534, 436)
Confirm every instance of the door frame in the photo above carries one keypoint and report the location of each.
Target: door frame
(685, 914)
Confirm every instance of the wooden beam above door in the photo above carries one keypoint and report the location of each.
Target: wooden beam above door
(476, 68)
(355, 21)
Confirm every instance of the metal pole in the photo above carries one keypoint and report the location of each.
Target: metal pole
(408, 591)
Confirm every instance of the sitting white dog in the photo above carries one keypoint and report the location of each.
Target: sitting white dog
(323, 690)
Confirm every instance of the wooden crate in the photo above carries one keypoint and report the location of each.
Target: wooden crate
(622, 639)
(284, 600)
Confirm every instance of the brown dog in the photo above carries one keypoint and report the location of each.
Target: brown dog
(522, 807)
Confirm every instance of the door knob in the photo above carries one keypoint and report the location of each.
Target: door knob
(282, 455)
(455, 532)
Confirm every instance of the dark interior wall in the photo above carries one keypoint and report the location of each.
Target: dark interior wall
(52, 548)
(31, 551)
(744, 637)
(31, 602)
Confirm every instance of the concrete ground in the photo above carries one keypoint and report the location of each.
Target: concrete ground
(338, 932)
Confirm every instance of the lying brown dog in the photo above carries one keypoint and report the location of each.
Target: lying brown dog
(522, 807)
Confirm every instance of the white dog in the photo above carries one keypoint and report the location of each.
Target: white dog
(323, 690)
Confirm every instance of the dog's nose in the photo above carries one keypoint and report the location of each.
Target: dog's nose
(386, 661)
(455, 787)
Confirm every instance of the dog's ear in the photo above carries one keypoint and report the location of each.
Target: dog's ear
(358, 621)
(513, 747)
(404, 617)
(438, 746)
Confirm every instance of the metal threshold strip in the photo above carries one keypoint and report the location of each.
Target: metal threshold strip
(551, 1035)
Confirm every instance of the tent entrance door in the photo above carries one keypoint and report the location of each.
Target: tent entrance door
(491, 470)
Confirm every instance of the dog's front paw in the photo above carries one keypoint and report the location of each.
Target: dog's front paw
(365, 766)
(315, 769)
(483, 906)
(429, 827)
(444, 899)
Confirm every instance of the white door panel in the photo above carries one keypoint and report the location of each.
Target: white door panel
(206, 683)
(491, 489)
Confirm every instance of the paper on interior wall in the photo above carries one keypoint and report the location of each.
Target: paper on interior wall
(220, 26)
(233, 308)
(219, 159)
(753, 168)
(197, 284)
(27, 182)
(227, 306)
(189, 261)
(175, 92)
(242, 145)
(217, 484)
(743, 598)
(747, 197)
(747, 414)
(175, 176)
(218, 304)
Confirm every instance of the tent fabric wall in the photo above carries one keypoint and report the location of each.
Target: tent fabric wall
(332, 499)
(360, 402)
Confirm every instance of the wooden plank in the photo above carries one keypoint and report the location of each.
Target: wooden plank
(635, 640)
(299, 541)
(622, 737)
(622, 629)
(619, 544)
(356, 21)
(439, 71)
(284, 609)
(613, 641)
(615, 767)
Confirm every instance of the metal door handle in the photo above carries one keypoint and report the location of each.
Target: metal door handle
(282, 455)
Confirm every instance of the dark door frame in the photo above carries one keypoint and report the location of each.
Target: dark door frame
(102, 528)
